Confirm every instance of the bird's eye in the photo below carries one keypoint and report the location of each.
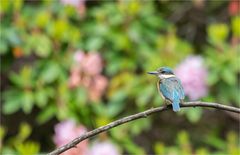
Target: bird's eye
(163, 72)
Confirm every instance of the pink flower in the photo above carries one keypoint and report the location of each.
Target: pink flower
(93, 64)
(97, 87)
(75, 78)
(100, 82)
(79, 56)
(193, 76)
(67, 131)
(86, 72)
(103, 148)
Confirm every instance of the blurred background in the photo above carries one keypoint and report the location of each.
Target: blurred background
(70, 66)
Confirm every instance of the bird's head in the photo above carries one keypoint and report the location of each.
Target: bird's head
(163, 73)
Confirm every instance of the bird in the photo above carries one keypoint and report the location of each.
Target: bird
(169, 87)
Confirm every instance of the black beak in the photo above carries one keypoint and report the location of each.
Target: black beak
(153, 72)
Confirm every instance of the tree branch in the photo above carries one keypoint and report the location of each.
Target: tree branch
(143, 114)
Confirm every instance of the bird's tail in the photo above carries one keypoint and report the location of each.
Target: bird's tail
(175, 104)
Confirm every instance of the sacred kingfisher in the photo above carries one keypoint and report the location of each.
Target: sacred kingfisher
(169, 87)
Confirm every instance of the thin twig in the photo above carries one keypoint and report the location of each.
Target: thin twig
(143, 114)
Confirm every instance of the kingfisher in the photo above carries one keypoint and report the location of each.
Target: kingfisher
(169, 87)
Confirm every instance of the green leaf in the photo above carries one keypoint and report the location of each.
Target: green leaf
(42, 45)
(114, 108)
(184, 143)
(215, 141)
(58, 29)
(233, 147)
(159, 148)
(140, 125)
(28, 148)
(27, 101)
(50, 72)
(131, 147)
(213, 78)
(202, 151)
(118, 96)
(24, 78)
(8, 151)
(94, 43)
(12, 102)
(4, 46)
(11, 106)
(38, 43)
(24, 132)
(12, 36)
(218, 33)
(16, 79)
(102, 120)
(148, 92)
(17, 5)
(229, 77)
(4, 6)
(46, 114)
(100, 109)
(2, 132)
(194, 114)
(42, 18)
(41, 97)
(235, 26)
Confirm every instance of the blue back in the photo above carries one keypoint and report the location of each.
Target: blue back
(171, 89)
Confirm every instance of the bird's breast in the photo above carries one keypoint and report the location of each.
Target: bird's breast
(161, 94)
(159, 91)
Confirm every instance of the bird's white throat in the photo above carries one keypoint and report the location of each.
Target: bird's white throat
(162, 76)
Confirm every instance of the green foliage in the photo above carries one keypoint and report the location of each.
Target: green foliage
(194, 114)
(218, 33)
(235, 26)
(184, 146)
(222, 60)
(19, 145)
(38, 43)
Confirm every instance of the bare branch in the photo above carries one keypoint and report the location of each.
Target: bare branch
(143, 114)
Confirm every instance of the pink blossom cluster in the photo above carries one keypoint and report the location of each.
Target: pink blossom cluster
(86, 72)
(65, 132)
(103, 148)
(193, 75)
(68, 130)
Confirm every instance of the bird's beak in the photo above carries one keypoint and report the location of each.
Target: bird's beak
(153, 72)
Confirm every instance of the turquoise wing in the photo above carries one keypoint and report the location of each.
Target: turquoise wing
(172, 89)
(180, 89)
